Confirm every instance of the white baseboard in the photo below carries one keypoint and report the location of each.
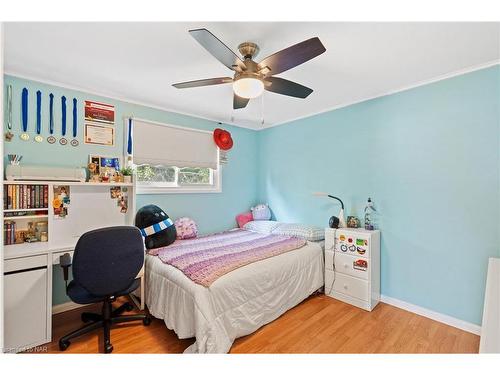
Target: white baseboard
(442, 318)
(67, 306)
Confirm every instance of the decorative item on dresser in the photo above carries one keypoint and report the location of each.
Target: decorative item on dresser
(352, 266)
(335, 222)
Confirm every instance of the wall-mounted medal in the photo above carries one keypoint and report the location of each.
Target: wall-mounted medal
(51, 139)
(24, 113)
(9, 134)
(38, 137)
(74, 141)
(63, 141)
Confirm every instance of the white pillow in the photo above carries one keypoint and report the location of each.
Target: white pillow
(305, 231)
(261, 226)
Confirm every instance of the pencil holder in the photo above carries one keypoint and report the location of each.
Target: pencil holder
(14, 159)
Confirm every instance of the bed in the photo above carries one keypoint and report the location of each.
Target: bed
(235, 304)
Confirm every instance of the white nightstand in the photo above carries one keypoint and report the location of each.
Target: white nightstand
(352, 266)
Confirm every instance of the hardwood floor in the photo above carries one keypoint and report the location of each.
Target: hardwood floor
(318, 325)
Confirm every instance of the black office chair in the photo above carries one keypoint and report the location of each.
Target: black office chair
(105, 265)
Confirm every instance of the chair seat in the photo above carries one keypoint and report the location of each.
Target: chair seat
(80, 295)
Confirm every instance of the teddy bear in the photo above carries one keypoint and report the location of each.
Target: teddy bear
(261, 212)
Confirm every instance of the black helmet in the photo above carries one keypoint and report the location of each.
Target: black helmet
(156, 227)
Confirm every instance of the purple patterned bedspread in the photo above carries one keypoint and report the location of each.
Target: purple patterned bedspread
(207, 258)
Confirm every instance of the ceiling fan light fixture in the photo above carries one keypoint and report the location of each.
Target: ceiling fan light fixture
(248, 87)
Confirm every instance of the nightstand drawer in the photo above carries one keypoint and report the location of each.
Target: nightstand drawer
(348, 285)
(352, 265)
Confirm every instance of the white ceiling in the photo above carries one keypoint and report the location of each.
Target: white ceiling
(140, 61)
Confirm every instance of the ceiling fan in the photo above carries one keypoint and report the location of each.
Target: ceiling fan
(252, 78)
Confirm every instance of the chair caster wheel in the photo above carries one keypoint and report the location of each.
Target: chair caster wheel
(146, 321)
(108, 348)
(129, 307)
(63, 345)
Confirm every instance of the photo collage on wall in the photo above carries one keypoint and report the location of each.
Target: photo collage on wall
(61, 201)
(120, 194)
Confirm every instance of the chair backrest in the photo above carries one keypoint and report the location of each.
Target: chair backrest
(107, 260)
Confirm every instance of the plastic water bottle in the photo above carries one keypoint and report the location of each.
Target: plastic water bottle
(369, 215)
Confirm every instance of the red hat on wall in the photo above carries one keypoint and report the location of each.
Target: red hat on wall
(223, 139)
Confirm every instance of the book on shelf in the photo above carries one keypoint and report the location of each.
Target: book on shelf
(9, 232)
(25, 196)
(41, 212)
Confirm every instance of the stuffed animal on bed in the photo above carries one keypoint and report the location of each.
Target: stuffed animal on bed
(186, 228)
(156, 227)
(261, 212)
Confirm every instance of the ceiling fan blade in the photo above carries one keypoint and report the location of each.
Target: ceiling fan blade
(218, 49)
(286, 87)
(203, 82)
(239, 102)
(293, 56)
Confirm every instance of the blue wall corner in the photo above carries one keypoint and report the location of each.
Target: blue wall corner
(429, 158)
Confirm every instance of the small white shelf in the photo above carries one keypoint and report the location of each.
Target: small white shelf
(70, 183)
(25, 249)
(25, 217)
(26, 209)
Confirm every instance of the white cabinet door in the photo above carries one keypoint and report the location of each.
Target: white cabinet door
(25, 309)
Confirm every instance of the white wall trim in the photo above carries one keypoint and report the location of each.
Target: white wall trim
(442, 318)
(391, 92)
(66, 306)
(13, 73)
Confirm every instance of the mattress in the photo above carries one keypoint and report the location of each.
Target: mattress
(237, 303)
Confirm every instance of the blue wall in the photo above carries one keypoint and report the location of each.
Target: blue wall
(212, 211)
(429, 158)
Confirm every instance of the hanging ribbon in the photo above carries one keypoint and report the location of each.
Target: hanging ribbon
(74, 118)
(63, 108)
(24, 109)
(38, 112)
(129, 140)
(9, 134)
(38, 137)
(74, 141)
(51, 139)
(51, 113)
(63, 141)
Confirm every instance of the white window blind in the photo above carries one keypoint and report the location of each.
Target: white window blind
(161, 144)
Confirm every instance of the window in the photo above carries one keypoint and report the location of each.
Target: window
(170, 159)
(165, 179)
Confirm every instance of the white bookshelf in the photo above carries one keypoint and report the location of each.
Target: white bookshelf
(91, 207)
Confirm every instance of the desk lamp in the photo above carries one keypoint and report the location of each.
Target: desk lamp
(335, 222)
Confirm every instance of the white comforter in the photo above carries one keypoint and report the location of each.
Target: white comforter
(236, 304)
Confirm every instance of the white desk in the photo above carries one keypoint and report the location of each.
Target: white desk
(28, 298)
(28, 266)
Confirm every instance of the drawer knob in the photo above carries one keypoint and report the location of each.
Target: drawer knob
(345, 286)
(346, 265)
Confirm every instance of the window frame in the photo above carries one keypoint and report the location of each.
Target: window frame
(176, 188)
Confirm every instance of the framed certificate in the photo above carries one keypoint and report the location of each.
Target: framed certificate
(99, 134)
(99, 112)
